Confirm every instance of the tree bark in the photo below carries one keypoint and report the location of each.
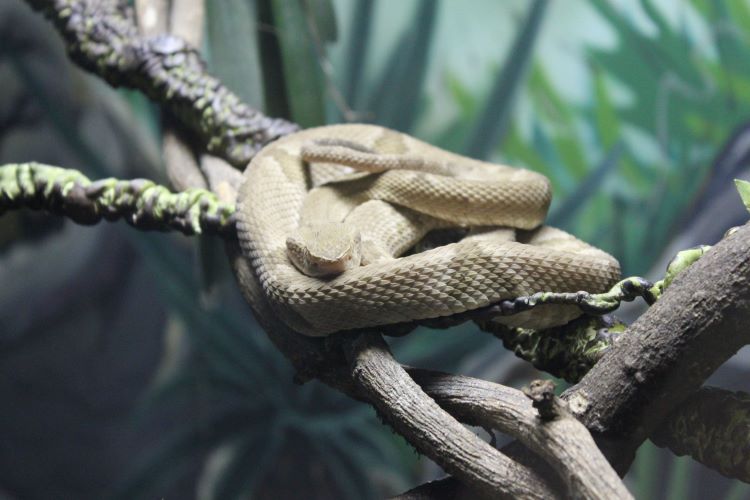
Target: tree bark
(432, 431)
(102, 37)
(667, 354)
(712, 426)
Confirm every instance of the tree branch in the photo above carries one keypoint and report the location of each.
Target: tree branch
(102, 38)
(666, 355)
(713, 427)
(141, 202)
(432, 431)
(568, 351)
(660, 360)
(562, 441)
(153, 18)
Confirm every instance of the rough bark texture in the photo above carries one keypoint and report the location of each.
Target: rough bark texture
(431, 430)
(669, 351)
(562, 441)
(102, 38)
(713, 427)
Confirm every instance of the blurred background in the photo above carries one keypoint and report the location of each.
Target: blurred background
(131, 368)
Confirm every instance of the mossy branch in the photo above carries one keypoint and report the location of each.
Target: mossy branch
(566, 352)
(102, 37)
(713, 427)
(141, 202)
(569, 351)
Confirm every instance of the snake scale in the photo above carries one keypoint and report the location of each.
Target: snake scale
(385, 191)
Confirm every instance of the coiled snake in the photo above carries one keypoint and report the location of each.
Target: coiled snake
(346, 203)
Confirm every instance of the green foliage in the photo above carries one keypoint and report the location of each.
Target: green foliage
(301, 43)
(491, 124)
(743, 188)
(232, 46)
(395, 102)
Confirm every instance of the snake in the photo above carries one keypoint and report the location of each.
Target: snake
(334, 223)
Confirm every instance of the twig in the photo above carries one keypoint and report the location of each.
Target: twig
(596, 303)
(141, 202)
(102, 38)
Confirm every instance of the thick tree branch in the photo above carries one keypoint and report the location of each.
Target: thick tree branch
(102, 37)
(417, 417)
(141, 202)
(666, 355)
(562, 440)
(659, 361)
(712, 426)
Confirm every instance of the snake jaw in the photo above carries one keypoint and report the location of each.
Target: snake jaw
(325, 249)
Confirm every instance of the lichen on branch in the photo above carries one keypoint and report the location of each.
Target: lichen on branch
(102, 37)
(712, 426)
(141, 202)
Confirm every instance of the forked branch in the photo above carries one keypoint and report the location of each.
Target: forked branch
(432, 431)
(562, 441)
(668, 353)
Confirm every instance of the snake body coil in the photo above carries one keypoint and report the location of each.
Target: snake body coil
(425, 187)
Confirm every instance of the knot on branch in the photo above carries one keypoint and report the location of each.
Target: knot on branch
(542, 395)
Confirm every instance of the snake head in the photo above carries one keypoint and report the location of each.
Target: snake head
(325, 249)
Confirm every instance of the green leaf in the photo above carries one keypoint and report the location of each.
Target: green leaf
(587, 189)
(524, 155)
(233, 54)
(324, 18)
(607, 122)
(743, 187)
(356, 53)
(303, 76)
(679, 478)
(491, 125)
(396, 101)
(739, 12)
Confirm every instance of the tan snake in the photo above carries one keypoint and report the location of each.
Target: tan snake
(410, 187)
